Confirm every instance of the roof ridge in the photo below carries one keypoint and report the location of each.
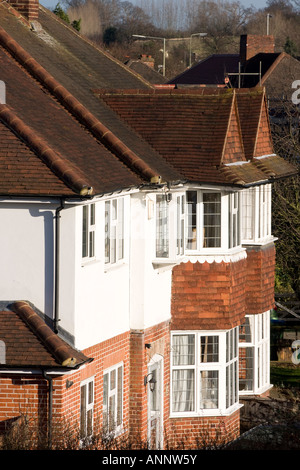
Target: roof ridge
(45, 153)
(57, 346)
(101, 132)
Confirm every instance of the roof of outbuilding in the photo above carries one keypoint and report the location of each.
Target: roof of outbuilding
(30, 343)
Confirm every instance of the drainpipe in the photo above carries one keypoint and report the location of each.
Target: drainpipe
(57, 257)
(50, 407)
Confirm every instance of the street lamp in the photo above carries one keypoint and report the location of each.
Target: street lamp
(194, 34)
(164, 50)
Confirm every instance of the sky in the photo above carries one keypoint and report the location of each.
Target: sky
(247, 3)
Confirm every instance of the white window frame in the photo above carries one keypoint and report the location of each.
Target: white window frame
(114, 240)
(200, 368)
(113, 395)
(256, 214)
(259, 344)
(228, 212)
(88, 231)
(87, 408)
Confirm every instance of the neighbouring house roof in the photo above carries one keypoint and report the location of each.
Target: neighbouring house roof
(151, 75)
(30, 343)
(99, 127)
(275, 71)
(209, 71)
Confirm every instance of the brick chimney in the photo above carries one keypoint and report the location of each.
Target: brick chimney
(250, 45)
(28, 8)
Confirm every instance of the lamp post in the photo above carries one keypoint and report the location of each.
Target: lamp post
(194, 34)
(164, 49)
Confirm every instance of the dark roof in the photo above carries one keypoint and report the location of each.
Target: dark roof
(30, 343)
(214, 69)
(210, 71)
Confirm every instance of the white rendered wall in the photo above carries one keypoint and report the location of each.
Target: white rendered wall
(150, 287)
(27, 264)
(94, 299)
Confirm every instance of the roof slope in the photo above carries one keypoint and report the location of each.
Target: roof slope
(124, 139)
(198, 131)
(29, 342)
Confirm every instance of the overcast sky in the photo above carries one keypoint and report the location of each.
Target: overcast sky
(247, 3)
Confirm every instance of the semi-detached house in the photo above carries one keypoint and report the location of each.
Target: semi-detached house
(137, 258)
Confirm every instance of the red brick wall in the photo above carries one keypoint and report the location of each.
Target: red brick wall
(28, 8)
(250, 45)
(195, 433)
(260, 279)
(208, 295)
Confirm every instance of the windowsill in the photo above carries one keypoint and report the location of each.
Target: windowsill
(264, 241)
(208, 412)
(112, 267)
(89, 262)
(165, 262)
(260, 391)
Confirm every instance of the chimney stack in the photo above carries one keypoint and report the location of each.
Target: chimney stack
(28, 8)
(250, 45)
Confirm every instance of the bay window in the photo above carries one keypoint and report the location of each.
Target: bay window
(204, 378)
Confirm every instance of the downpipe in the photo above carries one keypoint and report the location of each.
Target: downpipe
(57, 258)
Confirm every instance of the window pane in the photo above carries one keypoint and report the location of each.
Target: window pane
(209, 388)
(112, 412)
(212, 220)
(92, 214)
(209, 349)
(246, 370)
(191, 220)
(245, 334)
(112, 380)
(120, 396)
(183, 390)
(183, 348)
(162, 230)
(91, 393)
(121, 230)
(107, 232)
(89, 422)
(83, 411)
(105, 400)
